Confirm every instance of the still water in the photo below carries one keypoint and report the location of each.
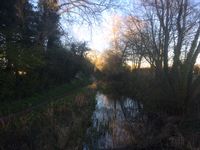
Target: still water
(111, 123)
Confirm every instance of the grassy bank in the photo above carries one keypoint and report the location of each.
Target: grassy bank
(60, 124)
(53, 94)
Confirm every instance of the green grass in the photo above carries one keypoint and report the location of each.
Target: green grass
(53, 94)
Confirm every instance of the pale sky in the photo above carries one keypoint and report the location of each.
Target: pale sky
(98, 36)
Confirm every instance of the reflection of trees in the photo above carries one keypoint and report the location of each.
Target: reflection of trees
(130, 109)
(110, 125)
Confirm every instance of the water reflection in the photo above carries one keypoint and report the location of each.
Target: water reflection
(111, 123)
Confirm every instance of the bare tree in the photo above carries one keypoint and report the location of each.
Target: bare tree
(133, 49)
(170, 38)
(87, 10)
(69, 12)
(125, 42)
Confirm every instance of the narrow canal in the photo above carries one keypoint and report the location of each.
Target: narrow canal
(111, 123)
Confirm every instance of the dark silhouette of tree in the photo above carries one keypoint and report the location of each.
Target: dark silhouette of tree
(171, 29)
(32, 57)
